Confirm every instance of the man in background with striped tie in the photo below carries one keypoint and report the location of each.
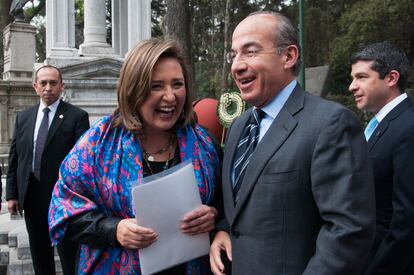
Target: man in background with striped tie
(297, 196)
(43, 136)
(379, 73)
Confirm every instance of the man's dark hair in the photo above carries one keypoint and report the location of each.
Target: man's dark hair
(386, 57)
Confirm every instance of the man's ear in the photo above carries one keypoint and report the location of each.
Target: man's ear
(292, 55)
(392, 78)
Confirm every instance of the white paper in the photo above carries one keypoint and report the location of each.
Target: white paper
(162, 201)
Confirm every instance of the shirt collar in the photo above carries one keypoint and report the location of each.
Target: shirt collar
(389, 106)
(53, 107)
(273, 108)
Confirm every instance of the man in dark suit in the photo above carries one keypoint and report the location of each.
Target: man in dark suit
(379, 73)
(43, 135)
(305, 204)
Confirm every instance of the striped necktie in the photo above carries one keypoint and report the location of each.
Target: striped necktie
(370, 128)
(245, 148)
(40, 142)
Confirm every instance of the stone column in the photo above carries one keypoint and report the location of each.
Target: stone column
(60, 29)
(139, 21)
(95, 29)
(19, 51)
(120, 27)
(131, 23)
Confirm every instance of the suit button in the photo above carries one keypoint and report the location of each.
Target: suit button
(235, 234)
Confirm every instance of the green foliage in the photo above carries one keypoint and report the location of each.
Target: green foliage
(208, 40)
(33, 10)
(79, 12)
(367, 22)
(35, 14)
(40, 43)
(333, 30)
(157, 13)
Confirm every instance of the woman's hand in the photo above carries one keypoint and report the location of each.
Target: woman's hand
(132, 236)
(200, 220)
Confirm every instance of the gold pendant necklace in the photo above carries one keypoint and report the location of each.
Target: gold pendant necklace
(151, 156)
(165, 166)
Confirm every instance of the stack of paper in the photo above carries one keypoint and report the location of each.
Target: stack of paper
(161, 201)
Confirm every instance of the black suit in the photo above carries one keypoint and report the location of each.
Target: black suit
(391, 149)
(68, 124)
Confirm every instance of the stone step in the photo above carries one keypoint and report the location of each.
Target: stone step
(15, 257)
(6, 225)
(23, 247)
(4, 255)
(4, 259)
(15, 232)
(24, 266)
(17, 266)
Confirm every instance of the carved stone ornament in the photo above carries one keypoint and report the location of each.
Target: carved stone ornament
(6, 41)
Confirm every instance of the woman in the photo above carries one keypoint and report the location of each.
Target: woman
(150, 131)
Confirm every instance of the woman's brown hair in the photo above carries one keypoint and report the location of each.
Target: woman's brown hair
(134, 83)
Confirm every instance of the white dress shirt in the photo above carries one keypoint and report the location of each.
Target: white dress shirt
(39, 118)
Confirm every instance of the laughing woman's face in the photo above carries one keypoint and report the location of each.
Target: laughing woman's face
(165, 102)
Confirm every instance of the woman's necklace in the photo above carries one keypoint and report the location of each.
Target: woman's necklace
(165, 166)
(151, 156)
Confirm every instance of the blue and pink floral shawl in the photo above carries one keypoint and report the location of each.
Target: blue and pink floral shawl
(96, 175)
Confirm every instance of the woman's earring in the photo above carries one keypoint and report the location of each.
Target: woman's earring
(136, 117)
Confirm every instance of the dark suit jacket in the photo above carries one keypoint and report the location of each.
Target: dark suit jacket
(306, 203)
(68, 124)
(391, 148)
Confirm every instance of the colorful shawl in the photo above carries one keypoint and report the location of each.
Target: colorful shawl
(96, 175)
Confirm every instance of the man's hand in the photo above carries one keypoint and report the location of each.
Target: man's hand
(221, 243)
(200, 220)
(132, 236)
(14, 207)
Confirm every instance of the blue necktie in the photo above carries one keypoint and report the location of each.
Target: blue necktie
(370, 128)
(40, 142)
(245, 148)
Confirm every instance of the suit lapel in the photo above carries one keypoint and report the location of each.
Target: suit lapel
(383, 125)
(281, 128)
(57, 121)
